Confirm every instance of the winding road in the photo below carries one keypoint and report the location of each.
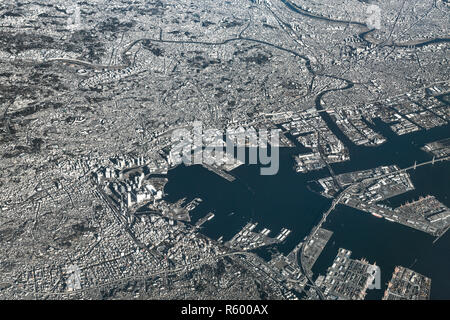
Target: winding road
(364, 35)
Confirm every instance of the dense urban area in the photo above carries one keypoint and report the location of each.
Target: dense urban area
(91, 93)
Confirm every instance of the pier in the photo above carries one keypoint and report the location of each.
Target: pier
(219, 172)
(201, 221)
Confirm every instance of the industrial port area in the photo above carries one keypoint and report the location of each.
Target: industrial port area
(224, 150)
(372, 187)
(347, 278)
(407, 285)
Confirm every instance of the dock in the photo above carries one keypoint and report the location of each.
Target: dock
(201, 221)
(219, 172)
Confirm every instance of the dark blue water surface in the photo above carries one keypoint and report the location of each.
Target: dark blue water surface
(283, 200)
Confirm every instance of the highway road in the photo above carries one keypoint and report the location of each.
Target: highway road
(337, 200)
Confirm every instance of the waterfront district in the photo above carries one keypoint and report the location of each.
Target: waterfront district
(91, 93)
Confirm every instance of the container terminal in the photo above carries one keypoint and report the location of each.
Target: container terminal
(373, 186)
(407, 284)
(347, 278)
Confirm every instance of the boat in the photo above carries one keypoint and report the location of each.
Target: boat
(376, 215)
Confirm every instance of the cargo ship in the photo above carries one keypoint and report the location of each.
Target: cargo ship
(377, 215)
